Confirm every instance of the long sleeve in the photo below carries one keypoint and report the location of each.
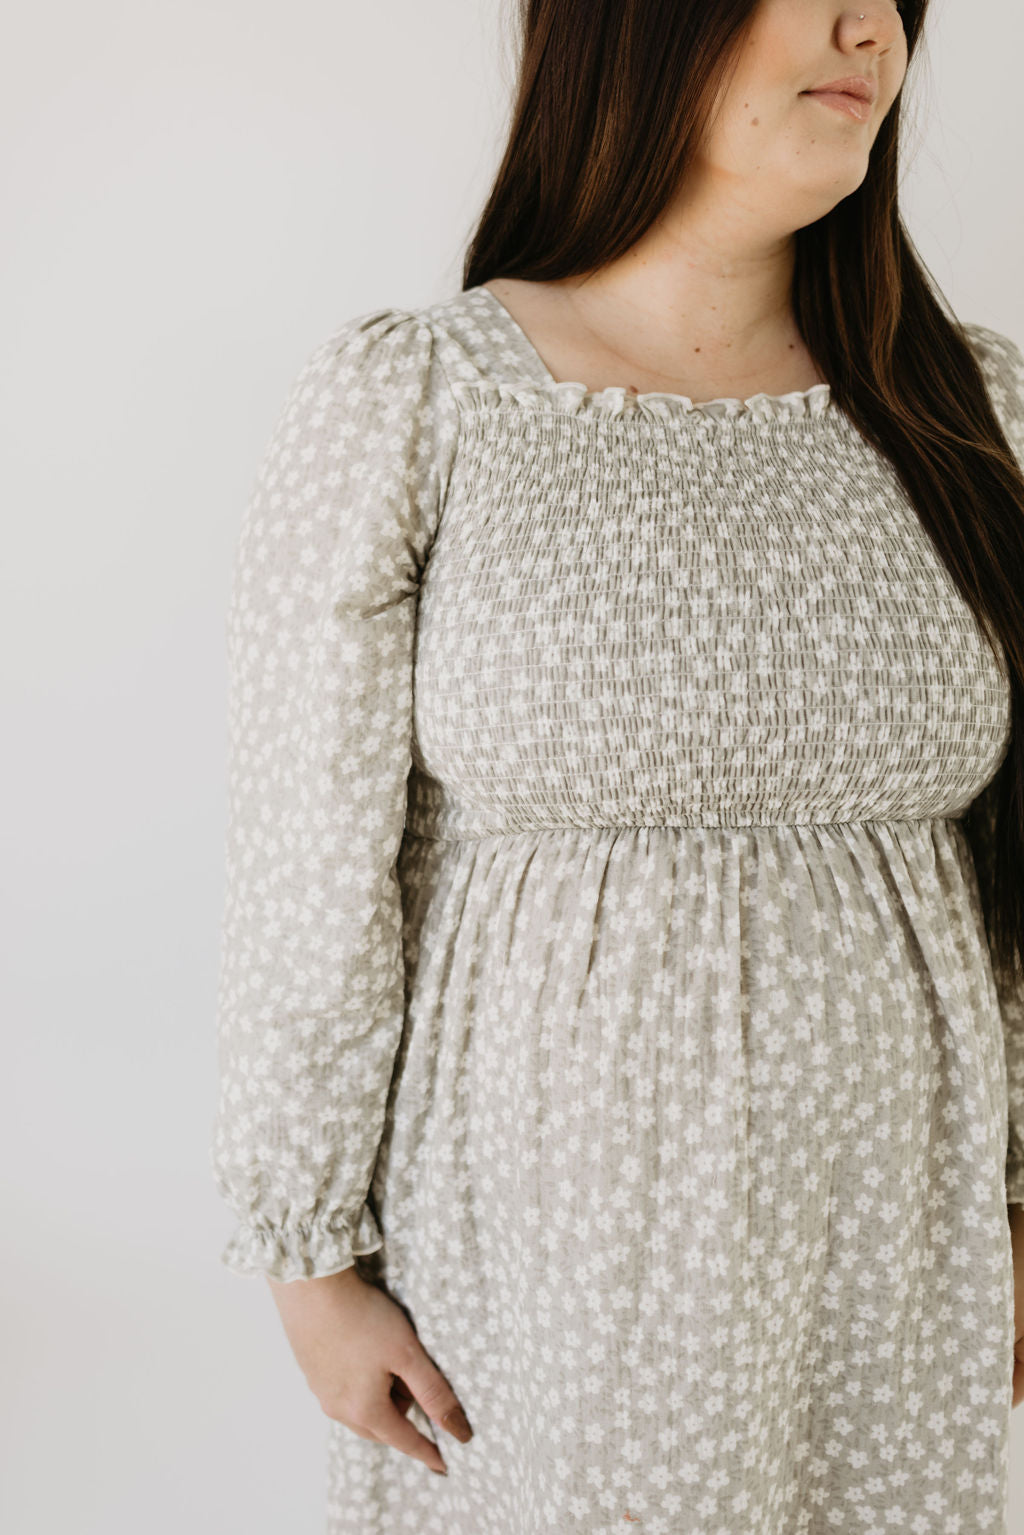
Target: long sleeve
(980, 832)
(1002, 363)
(320, 633)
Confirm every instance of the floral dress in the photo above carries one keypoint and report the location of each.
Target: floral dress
(603, 963)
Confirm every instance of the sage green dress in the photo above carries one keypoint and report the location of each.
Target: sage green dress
(603, 956)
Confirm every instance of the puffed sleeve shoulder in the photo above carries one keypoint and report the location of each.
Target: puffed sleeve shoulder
(1002, 364)
(320, 629)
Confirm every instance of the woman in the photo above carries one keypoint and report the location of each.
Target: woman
(621, 1039)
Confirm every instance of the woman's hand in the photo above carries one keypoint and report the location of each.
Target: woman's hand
(1015, 1214)
(351, 1341)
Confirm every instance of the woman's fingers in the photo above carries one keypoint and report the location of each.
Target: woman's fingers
(364, 1362)
(390, 1426)
(432, 1391)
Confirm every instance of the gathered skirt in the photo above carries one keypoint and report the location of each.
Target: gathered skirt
(693, 1186)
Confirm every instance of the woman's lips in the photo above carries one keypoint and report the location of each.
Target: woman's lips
(840, 101)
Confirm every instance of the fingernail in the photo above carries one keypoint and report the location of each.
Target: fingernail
(455, 1422)
(437, 1470)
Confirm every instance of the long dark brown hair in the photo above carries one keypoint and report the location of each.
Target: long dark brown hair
(611, 102)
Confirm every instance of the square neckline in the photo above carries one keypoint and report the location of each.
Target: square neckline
(815, 400)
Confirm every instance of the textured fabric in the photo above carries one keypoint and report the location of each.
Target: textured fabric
(603, 957)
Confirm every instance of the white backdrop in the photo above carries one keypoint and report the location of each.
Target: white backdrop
(194, 197)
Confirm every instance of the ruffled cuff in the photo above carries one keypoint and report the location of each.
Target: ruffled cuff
(307, 1249)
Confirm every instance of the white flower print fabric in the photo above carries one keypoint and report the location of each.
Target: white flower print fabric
(603, 964)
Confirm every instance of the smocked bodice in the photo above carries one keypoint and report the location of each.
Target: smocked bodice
(641, 611)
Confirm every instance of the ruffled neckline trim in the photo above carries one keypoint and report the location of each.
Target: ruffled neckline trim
(572, 397)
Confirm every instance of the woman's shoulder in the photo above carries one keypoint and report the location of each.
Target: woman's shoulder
(999, 356)
(373, 344)
(463, 338)
(378, 351)
(381, 369)
(1001, 361)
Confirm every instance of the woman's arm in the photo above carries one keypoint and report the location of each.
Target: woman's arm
(1002, 363)
(320, 636)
